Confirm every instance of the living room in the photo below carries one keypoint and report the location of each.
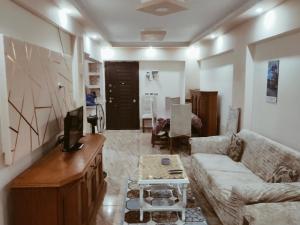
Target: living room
(135, 78)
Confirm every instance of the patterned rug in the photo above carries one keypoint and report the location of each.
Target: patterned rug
(160, 195)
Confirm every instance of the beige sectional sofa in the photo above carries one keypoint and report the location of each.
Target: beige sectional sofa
(238, 191)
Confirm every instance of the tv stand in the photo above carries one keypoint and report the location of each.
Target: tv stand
(62, 188)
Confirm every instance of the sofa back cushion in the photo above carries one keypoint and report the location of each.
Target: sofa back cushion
(263, 156)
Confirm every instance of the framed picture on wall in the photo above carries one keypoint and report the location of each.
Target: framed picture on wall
(272, 81)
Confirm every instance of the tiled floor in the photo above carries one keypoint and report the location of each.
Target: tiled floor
(122, 150)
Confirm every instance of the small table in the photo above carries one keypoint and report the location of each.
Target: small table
(152, 172)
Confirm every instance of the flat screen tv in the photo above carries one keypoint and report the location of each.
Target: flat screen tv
(73, 129)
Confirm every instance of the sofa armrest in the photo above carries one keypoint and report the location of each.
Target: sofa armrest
(272, 213)
(266, 193)
(211, 145)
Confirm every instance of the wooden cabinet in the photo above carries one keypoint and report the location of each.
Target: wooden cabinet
(205, 106)
(63, 188)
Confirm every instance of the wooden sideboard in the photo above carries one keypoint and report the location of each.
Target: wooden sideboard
(62, 188)
(205, 106)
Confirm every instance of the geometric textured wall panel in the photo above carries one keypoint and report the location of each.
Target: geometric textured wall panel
(36, 105)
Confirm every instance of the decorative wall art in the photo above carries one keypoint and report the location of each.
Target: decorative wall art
(36, 93)
(272, 81)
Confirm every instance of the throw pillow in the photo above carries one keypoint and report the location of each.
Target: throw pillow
(284, 174)
(235, 149)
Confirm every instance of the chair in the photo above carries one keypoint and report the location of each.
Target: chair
(161, 138)
(148, 110)
(169, 102)
(180, 124)
(232, 127)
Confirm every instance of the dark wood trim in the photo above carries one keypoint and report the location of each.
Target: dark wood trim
(205, 106)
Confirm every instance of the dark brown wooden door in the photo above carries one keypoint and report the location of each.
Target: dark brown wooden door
(122, 95)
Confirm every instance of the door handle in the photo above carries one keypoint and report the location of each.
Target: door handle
(134, 100)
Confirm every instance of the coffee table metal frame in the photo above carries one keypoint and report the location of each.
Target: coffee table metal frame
(180, 206)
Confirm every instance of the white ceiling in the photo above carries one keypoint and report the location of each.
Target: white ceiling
(121, 24)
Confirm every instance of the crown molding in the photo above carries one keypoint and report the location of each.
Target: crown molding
(148, 44)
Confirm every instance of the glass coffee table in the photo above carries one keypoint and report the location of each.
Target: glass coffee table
(152, 172)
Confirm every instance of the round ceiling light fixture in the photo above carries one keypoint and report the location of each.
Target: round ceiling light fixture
(162, 7)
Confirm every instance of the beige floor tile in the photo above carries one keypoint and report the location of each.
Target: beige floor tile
(122, 150)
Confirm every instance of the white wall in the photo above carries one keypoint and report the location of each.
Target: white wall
(281, 21)
(93, 48)
(279, 121)
(187, 55)
(50, 11)
(170, 83)
(20, 24)
(216, 74)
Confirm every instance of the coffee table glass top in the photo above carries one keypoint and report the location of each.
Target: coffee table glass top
(150, 168)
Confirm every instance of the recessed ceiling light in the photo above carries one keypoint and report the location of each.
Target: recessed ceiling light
(150, 52)
(162, 10)
(213, 36)
(66, 11)
(259, 10)
(153, 35)
(95, 36)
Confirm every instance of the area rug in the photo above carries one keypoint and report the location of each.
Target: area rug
(159, 195)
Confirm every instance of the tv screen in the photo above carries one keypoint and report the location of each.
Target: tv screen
(73, 129)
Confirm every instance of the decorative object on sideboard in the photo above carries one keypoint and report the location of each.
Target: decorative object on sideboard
(93, 121)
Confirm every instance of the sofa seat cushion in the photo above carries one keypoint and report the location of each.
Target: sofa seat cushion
(222, 182)
(219, 162)
(220, 173)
